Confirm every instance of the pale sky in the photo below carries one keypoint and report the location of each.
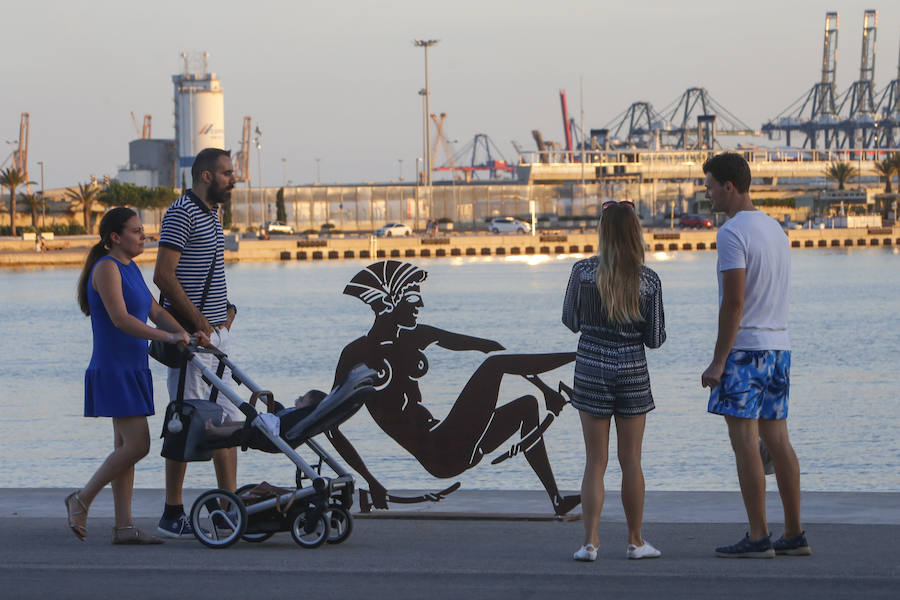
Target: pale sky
(340, 81)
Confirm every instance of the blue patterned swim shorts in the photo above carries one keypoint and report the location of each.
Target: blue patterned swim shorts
(755, 385)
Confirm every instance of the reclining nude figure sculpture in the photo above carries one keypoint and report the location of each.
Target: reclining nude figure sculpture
(475, 425)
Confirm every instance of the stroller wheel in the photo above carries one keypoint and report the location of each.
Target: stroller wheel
(310, 529)
(340, 523)
(218, 518)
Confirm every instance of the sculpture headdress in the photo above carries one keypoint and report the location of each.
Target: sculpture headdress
(385, 281)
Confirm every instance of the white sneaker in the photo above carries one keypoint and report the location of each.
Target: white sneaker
(643, 551)
(586, 553)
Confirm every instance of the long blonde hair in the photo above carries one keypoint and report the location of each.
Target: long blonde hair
(619, 260)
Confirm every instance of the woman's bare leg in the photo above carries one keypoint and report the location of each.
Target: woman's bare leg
(131, 444)
(596, 451)
(630, 434)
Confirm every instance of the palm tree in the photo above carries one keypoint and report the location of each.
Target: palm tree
(895, 160)
(12, 177)
(84, 196)
(840, 172)
(34, 202)
(886, 169)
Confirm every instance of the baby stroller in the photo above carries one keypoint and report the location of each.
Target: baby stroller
(314, 514)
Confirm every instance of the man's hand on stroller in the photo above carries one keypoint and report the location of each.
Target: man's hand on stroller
(200, 339)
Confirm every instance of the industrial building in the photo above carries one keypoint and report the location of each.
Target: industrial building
(199, 123)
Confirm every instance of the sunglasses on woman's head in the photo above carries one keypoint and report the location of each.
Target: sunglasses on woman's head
(609, 203)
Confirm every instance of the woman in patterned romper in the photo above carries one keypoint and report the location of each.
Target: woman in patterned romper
(616, 304)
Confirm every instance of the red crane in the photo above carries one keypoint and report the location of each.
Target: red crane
(567, 125)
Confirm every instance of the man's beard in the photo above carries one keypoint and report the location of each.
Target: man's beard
(217, 194)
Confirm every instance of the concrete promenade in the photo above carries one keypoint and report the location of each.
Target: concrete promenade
(474, 544)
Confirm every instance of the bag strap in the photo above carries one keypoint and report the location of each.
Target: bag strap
(212, 268)
(183, 367)
(213, 390)
(182, 373)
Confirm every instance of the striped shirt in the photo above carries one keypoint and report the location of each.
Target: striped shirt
(190, 228)
(582, 308)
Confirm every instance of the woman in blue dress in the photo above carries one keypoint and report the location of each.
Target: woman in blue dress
(117, 383)
(615, 302)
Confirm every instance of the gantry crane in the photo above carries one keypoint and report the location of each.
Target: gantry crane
(889, 114)
(859, 126)
(822, 114)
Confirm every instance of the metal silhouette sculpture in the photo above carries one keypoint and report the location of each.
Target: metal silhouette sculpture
(476, 425)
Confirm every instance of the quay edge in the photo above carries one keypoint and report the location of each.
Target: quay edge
(15, 253)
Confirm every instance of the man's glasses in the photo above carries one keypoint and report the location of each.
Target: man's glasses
(609, 203)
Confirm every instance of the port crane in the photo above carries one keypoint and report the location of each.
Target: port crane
(143, 132)
(441, 138)
(19, 156)
(693, 121)
(853, 118)
(242, 158)
(817, 116)
(889, 111)
(859, 128)
(479, 155)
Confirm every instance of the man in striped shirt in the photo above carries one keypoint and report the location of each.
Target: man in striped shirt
(192, 252)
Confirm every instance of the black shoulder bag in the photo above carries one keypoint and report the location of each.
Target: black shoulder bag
(170, 354)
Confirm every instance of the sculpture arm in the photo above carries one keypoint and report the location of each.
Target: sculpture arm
(455, 341)
(355, 461)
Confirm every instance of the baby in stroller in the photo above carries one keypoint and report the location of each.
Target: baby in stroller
(277, 422)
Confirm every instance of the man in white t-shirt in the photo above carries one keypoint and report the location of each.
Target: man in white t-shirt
(749, 376)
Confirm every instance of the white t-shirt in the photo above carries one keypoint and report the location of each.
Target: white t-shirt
(754, 241)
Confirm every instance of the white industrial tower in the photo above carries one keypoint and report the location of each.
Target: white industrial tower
(199, 114)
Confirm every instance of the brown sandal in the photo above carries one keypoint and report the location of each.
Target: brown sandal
(76, 512)
(132, 536)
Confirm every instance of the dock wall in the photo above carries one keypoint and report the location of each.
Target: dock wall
(15, 253)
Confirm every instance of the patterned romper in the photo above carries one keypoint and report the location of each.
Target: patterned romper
(611, 374)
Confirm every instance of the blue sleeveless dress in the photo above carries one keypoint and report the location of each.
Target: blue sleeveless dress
(118, 383)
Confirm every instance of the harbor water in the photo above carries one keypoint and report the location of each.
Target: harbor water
(293, 322)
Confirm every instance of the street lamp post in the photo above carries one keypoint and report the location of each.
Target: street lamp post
(400, 169)
(318, 160)
(419, 167)
(283, 172)
(426, 44)
(43, 199)
(259, 174)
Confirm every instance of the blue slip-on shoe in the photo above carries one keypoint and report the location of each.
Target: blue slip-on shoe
(795, 546)
(177, 528)
(746, 548)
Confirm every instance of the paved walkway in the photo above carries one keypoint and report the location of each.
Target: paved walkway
(852, 534)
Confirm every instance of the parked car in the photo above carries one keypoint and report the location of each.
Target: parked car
(274, 228)
(393, 230)
(696, 221)
(509, 225)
